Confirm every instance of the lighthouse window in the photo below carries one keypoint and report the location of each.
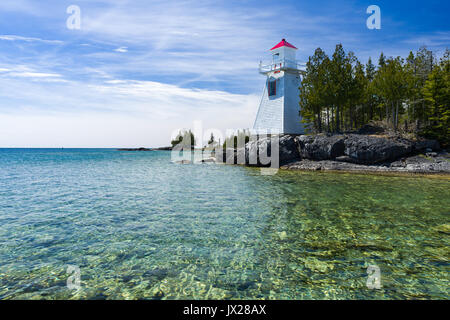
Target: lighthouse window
(272, 87)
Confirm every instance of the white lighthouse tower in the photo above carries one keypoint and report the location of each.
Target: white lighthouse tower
(279, 108)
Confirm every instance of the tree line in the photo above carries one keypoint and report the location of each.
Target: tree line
(185, 139)
(339, 93)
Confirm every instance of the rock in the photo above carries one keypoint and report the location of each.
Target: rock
(240, 156)
(349, 152)
(317, 265)
(344, 159)
(158, 294)
(219, 155)
(282, 235)
(443, 228)
(158, 273)
(427, 145)
(251, 151)
(370, 129)
(246, 285)
(320, 147)
(398, 164)
(255, 148)
(287, 150)
(183, 162)
(205, 160)
(415, 164)
(230, 156)
(364, 149)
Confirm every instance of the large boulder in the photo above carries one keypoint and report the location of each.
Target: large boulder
(287, 150)
(255, 148)
(320, 147)
(365, 149)
(230, 156)
(426, 145)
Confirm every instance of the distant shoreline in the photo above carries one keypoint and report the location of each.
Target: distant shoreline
(145, 149)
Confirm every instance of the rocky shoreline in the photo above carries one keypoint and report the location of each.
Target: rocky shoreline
(416, 164)
(348, 152)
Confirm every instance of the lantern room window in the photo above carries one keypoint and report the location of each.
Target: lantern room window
(272, 87)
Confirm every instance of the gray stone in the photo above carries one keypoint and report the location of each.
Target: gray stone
(415, 164)
(423, 145)
(230, 156)
(363, 149)
(287, 150)
(320, 147)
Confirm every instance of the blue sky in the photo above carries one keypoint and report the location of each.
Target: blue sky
(137, 70)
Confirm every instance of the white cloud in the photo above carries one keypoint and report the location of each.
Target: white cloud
(34, 75)
(79, 94)
(23, 71)
(28, 39)
(117, 113)
(122, 49)
(437, 39)
(192, 38)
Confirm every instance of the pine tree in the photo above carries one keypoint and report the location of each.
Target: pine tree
(371, 98)
(436, 92)
(344, 94)
(313, 93)
(382, 60)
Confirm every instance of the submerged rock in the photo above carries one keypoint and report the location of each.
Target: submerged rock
(444, 228)
(317, 265)
(183, 162)
(158, 273)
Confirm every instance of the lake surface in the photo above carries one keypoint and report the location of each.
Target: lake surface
(140, 227)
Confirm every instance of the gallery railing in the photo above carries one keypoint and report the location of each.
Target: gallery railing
(282, 65)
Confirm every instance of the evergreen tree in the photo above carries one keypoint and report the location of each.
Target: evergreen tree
(211, 139)
(340, 81)
(382, 60)
(184, 138)
(436, 92)
(343, 93)
(313, 95)
(371, 98)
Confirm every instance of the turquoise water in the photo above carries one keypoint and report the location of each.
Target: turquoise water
(141, 227)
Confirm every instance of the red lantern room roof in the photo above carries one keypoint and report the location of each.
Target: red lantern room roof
(283, 43)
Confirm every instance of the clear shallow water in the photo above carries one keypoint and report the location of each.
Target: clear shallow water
(141, 227)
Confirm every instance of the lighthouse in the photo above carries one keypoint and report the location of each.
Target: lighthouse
(279, 109)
